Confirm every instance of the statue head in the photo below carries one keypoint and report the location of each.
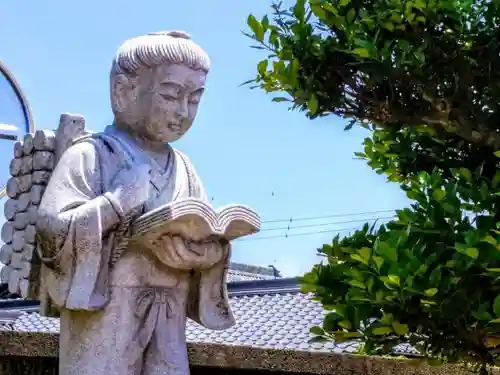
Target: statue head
(157, 81)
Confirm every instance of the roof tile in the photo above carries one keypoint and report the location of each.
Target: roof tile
(273, 320)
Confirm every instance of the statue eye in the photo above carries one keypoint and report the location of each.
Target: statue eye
(168, 96)
(195, 99)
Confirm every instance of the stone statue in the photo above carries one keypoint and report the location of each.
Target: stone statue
(122, 305)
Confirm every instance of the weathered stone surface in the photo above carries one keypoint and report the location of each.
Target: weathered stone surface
(6, 254)
(36, 353)
(30, 234)
(24, 285)
(7, 232)
(32, 213)
(18, 240)
(43, 160)
(18, 149)
(13, 190)
(23, 202)
(5, 275)
(10, 208)
(21, 220)
(24, 183)
(41, 177)
(27, 166)
(44, 140)
(28, 250)
(14, 277)
(28, 144)
(17, 261)
(24, 269)
(15, 166)
(36, 193)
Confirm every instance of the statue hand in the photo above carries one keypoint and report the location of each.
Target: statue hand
(176, 252)
(130, 188)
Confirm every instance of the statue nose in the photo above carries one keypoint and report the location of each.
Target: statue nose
(182, 110)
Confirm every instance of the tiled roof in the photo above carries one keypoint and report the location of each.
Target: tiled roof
(269, 314)
(249, 268)
(234, 275)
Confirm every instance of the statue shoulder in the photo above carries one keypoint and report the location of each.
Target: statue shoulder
(195, 185)
(183, 157)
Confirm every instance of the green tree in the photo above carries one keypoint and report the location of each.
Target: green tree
(422, 76)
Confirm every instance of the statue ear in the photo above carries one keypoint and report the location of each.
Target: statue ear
(122, 93)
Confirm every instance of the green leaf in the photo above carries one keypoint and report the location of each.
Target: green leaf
(379, 331)
(431, 292)
(318, 11)
(361, 52)
(465, 173)
(365, 253)
(312, 104)
(387, 319)
(299, 10)
(400, 329)
(389, 26)
(379, 261)
(391, 279)
(449, 208)
(357, 283)
(472, 252)
(496, 180)
(420, 56)
(280, 99)
(262, 67)
(489, 239)
(317, 330)
(439, 195)
(256, 27)
(370, 283)
(387, 251)
(350, 15)
(345, 324)
(318, 339)
(497, 154)
(265, 22)
(353, 335)
(496, 306)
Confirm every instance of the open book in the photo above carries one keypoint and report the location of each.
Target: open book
(196, 220)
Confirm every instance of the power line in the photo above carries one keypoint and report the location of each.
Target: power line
(292, 219)
(325, 224)
(294, 234)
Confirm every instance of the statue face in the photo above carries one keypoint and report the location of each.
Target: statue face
(174, 100)
(163, 102)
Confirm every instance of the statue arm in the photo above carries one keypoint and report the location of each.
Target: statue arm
(73, 203)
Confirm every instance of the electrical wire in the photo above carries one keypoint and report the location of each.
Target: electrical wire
(325, 224)
(292, 219)
(293, 234)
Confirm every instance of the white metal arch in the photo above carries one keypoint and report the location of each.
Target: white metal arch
(24, 104)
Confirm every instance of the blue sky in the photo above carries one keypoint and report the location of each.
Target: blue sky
(245, 148)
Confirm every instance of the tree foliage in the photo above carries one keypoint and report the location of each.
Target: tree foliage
(422, 76)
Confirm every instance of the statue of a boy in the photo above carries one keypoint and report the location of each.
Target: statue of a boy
(124, 312)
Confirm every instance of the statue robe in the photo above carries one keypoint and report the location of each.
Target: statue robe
(128, 318)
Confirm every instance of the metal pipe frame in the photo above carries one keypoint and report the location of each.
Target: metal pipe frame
(25, 106)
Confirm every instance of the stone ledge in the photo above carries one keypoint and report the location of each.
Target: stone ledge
(45, 345)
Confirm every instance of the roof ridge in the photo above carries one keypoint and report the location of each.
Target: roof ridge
(251, 268)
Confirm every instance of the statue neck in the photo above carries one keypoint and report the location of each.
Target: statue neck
(143, 142)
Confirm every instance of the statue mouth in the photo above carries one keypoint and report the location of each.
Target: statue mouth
(175, 127)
